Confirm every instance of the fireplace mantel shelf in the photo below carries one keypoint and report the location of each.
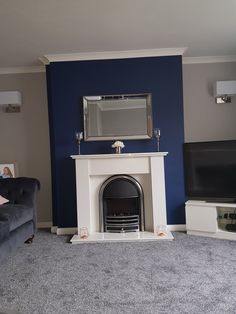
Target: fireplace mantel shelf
(122, 155)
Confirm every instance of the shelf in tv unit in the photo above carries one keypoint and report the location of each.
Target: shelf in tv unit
(207, 219)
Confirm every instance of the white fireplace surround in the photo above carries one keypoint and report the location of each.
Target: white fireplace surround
(93, 170)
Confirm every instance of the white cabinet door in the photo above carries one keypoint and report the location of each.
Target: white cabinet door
(201, 218)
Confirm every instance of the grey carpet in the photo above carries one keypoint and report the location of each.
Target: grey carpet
(188, 275)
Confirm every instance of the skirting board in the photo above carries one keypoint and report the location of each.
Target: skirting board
(63, 231)
(176, 227)
(44, 224)
(71, 231)
(218, 235)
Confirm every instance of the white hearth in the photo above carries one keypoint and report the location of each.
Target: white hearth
(93, 170)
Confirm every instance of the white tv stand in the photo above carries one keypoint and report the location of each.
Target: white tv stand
(209, 219)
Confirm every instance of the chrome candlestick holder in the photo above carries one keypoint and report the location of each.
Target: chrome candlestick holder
(78, 138)
(157, 134)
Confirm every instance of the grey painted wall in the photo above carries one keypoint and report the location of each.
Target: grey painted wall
(204, 120)
(24, 136)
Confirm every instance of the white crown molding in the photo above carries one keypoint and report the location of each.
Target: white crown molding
(209, 59)
(27, 69)
(115, 55)
(46, 59)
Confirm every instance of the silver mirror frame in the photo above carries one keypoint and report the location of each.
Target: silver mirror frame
(148, 97)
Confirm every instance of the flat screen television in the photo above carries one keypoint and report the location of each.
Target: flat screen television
(210, 170)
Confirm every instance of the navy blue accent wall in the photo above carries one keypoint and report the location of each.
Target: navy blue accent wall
(68, 82)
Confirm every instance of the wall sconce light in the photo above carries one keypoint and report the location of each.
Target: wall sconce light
(11, 101)
(224, 90)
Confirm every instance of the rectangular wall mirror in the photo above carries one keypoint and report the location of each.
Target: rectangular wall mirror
(117, 117)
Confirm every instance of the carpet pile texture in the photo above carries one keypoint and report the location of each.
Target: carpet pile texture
(187, 275)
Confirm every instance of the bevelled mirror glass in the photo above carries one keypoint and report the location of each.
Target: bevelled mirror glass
(116, 117)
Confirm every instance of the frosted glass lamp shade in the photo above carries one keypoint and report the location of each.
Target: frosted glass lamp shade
(10, 98)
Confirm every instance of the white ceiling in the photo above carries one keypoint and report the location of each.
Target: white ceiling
(30, 29)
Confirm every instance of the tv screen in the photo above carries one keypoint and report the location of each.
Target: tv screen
(210, 170)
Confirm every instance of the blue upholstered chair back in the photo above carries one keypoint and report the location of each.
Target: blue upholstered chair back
(20, 190)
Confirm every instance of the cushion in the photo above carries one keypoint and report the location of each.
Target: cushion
(3, 200)
(16, 214)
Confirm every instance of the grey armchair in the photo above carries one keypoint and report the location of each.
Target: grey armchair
(18, 217)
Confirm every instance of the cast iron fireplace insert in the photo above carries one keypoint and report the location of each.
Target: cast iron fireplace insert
(121, 204)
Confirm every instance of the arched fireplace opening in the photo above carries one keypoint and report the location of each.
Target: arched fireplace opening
(121, 203)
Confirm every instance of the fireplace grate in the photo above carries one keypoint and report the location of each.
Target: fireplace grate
(122, 223)
(121, 205)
